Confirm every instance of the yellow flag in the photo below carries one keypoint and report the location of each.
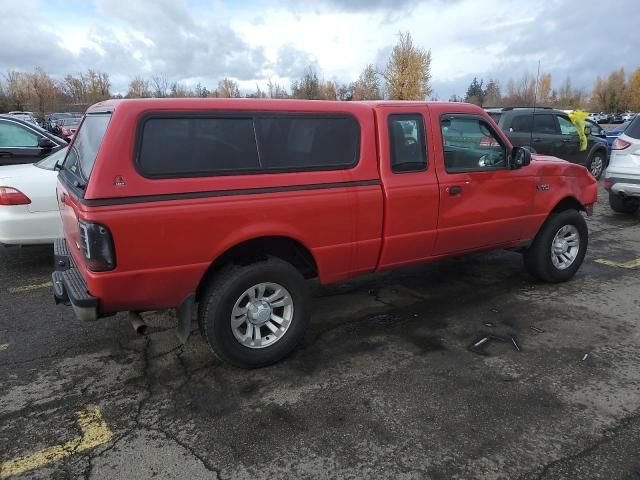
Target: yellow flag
(578, 118)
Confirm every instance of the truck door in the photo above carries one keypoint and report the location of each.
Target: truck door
(410, 185)
(483, 203)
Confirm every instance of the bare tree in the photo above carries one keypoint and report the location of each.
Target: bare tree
(275, 90)
(258, 93)
(408, 72)
(138, 88)
(177, 90)
(17, 89)
(160, 85)
(43, 88)
(308, 87)
(228, 88)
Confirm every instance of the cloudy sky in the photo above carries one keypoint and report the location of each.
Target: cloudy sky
(203, 41)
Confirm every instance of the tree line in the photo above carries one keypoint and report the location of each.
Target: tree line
(615, 93)
(405, 76)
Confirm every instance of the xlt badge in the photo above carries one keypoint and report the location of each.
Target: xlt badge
(542, 186)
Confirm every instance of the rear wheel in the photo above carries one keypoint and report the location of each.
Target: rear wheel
(254, 315)
(597, 163)
(622, 204)
(559, 248)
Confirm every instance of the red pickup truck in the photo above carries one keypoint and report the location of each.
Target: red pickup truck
(229, 205)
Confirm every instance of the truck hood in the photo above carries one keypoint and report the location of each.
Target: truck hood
(554, 166)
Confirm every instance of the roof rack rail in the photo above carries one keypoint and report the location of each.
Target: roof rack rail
(536, 107)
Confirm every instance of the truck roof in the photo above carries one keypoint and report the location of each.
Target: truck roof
(262, 104)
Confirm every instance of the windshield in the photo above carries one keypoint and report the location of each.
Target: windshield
(83, 151)
(70, 121)
(49, 163)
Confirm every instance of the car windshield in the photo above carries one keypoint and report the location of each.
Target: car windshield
(71, 121)
(49, 163)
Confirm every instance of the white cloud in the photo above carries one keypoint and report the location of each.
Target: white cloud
(205, 41)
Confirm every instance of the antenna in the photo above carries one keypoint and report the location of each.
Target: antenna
(533, 112)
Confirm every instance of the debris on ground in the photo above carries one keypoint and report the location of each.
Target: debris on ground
(479, 345)
(489, 324)
(515, 342)
(586, 355)
(536, 329)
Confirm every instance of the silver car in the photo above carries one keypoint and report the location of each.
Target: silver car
(622, 178)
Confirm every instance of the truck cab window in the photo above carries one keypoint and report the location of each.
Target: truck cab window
(470, 145)
(407, 143)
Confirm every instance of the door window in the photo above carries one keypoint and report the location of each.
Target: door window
(566, 127)
(544, 124)
(13, 135)
(471, 145)
(407, 143)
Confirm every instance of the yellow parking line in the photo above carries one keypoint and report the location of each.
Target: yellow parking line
(28, 288)
(94, 432)
(630, 264)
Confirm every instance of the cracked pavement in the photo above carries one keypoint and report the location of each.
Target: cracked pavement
(383, 385)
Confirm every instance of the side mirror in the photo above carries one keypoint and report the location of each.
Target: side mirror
(587, 130)
(521, 157)
(44, 142)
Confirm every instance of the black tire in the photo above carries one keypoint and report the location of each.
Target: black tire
(222, 292)
(596, 163)
(622, 204)
(538, 257)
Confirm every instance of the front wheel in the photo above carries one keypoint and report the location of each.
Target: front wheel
(254, 315)
(559, 248)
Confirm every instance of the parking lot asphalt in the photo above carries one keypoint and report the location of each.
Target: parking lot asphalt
(382, 387)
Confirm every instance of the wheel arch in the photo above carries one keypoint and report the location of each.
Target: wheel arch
(257, 249)
(568, 203)
(603, 150)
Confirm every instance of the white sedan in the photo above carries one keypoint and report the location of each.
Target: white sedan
(28, 206)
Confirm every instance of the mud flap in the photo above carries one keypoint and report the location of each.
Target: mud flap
(184, 312)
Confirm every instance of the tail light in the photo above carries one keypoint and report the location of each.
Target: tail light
(13, 196)
(97, 246)
(619, 144)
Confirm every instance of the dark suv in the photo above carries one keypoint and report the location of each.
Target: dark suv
(550, 132)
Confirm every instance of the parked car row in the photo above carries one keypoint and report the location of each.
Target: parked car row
(612, 117)
(551, 132)
(62, 124)
(26, 116)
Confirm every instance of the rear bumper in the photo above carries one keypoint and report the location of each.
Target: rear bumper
(69, 287)
(627, 185)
